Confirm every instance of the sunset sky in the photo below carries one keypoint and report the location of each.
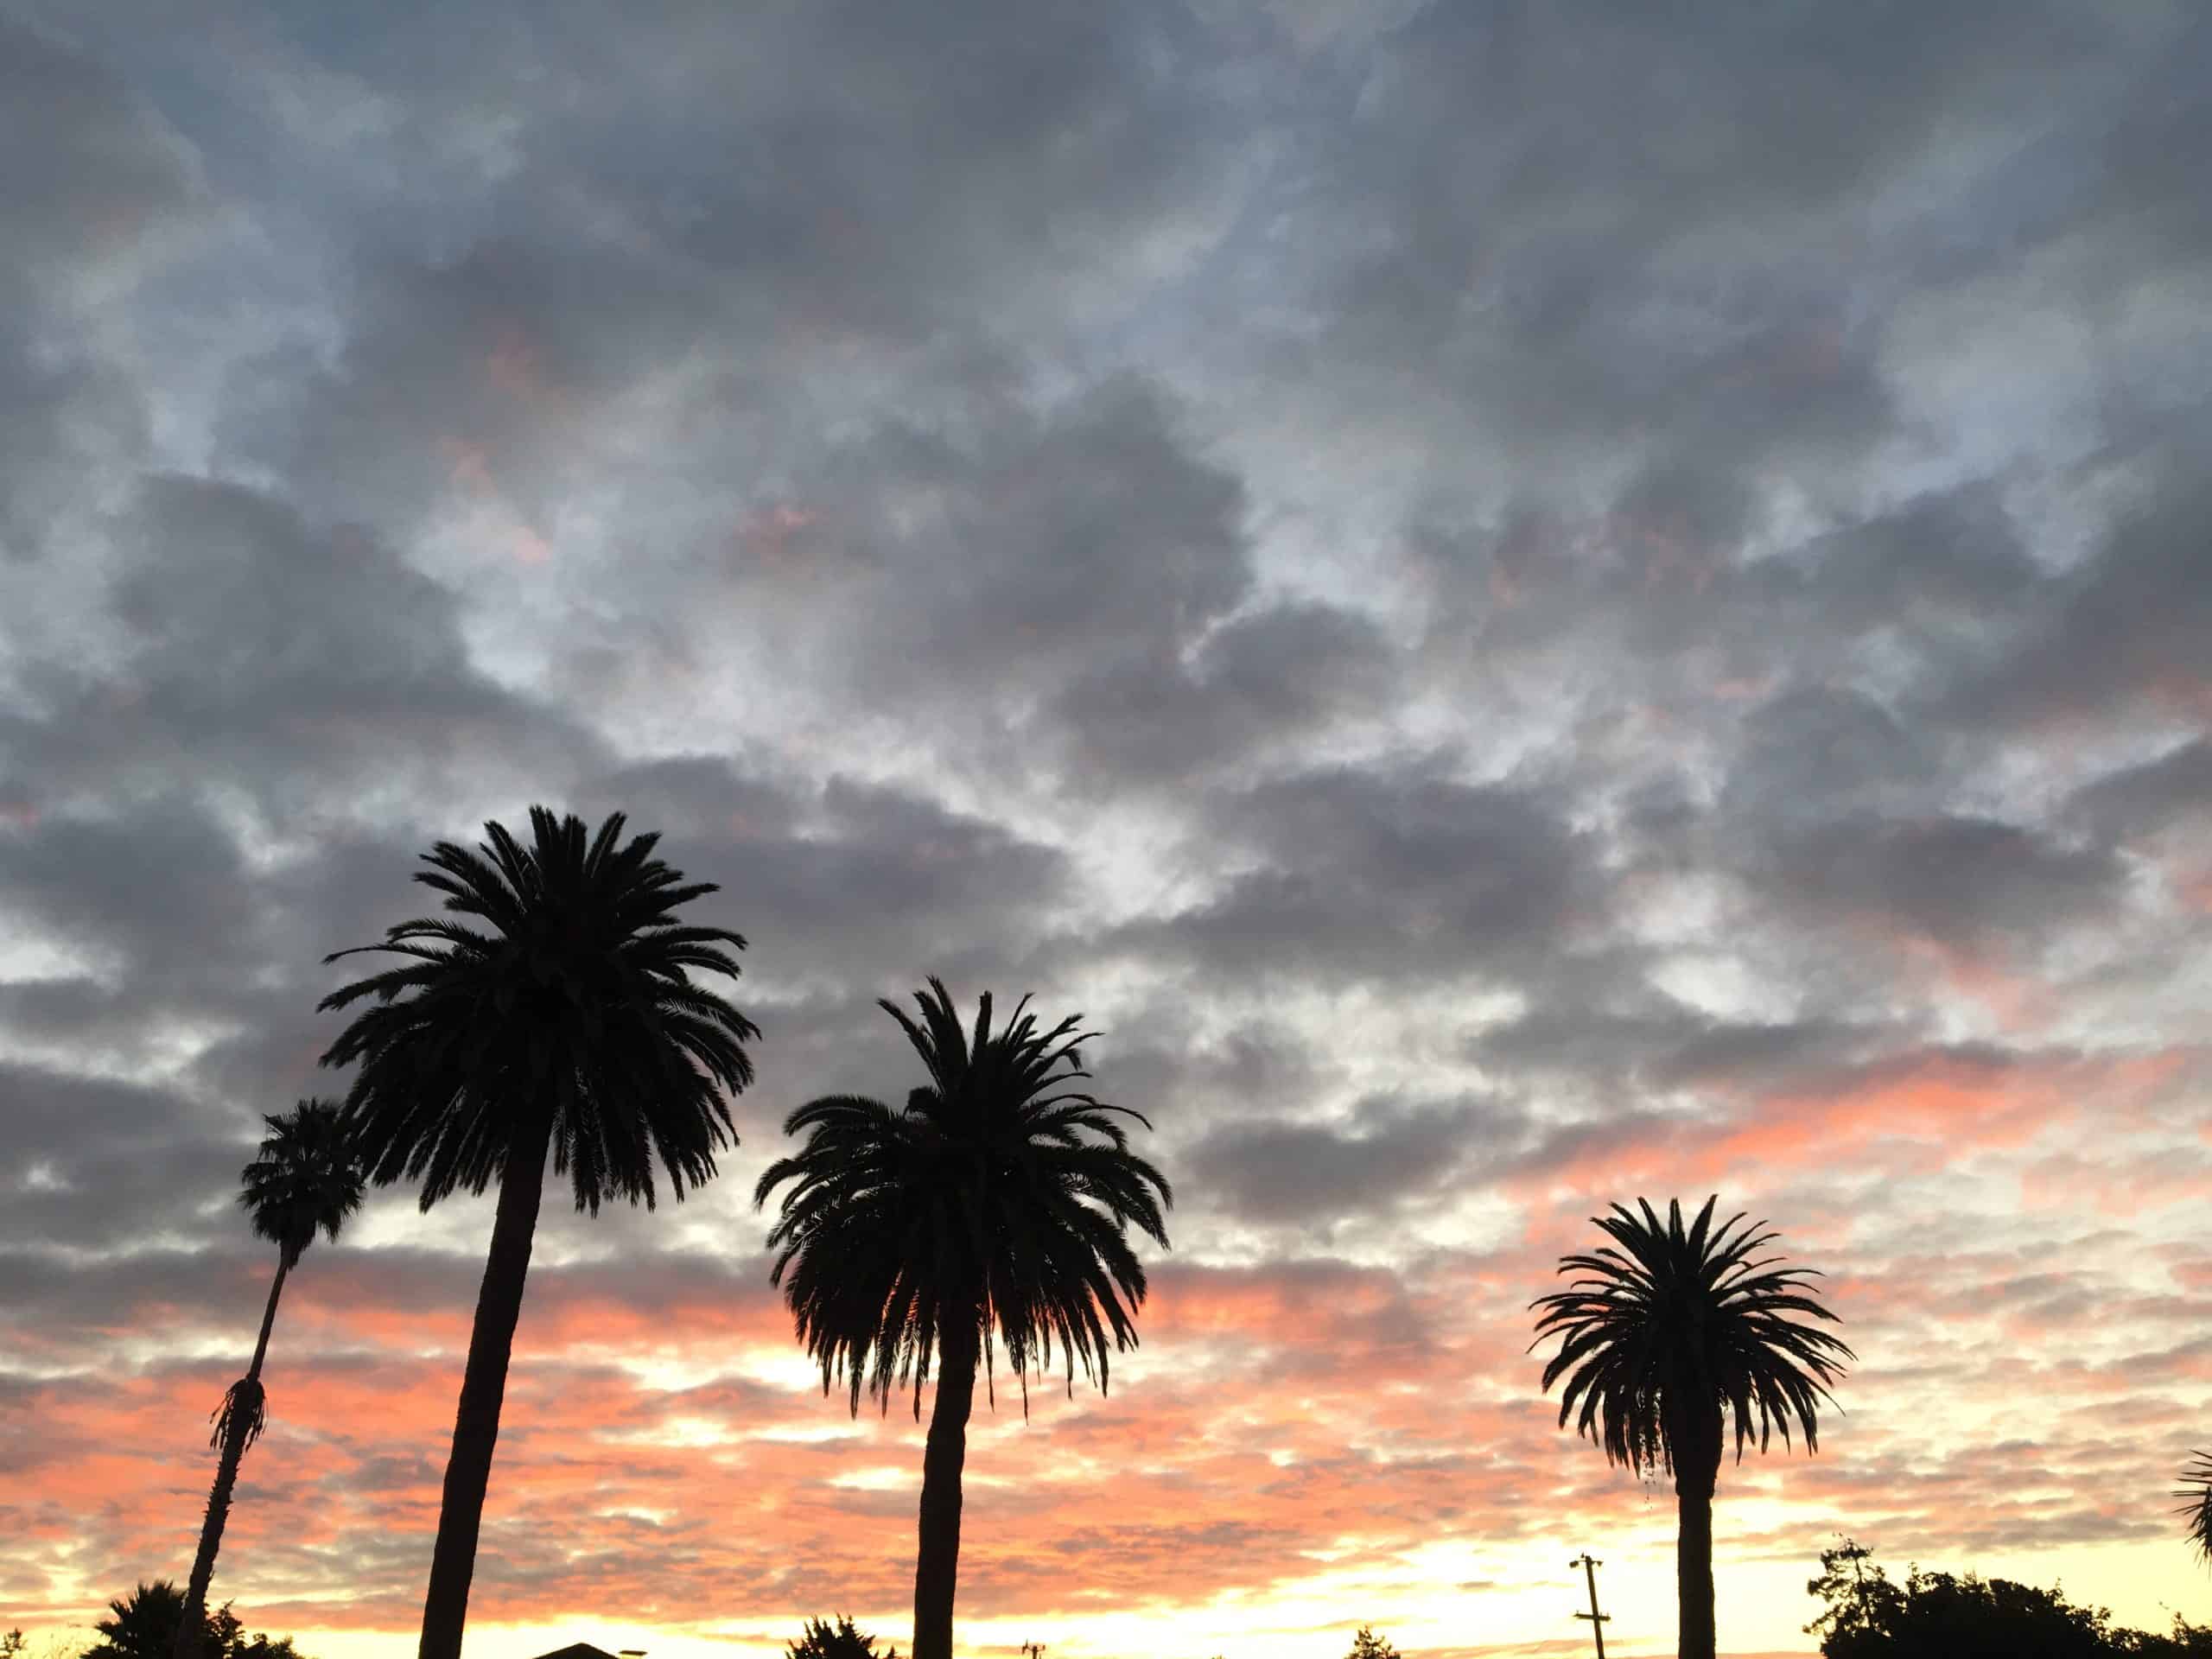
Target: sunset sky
(1523, 604)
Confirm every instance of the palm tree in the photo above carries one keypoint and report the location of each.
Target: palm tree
(143, 1624)
(994, 1209)
(562, 1016)
(306, 1180)
(2195, 1494)
(1666, 1338)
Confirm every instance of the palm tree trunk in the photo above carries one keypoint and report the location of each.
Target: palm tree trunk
(484, 1386)
(1693, 1483)
(937, 1562)
(238, 1428)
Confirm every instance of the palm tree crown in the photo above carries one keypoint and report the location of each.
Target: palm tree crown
(1660, 1335)
(571, 998)
(1001, 1193)
(305, 1180)
(2195, 1494)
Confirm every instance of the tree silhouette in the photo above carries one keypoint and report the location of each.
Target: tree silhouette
(822, 1640)
(1368, 1645)
(1663, 1340)
(564, 1017)
(2195, 1494)
(994, 1209)
(1943, 1616)
(306, 1180)
(143, 1625)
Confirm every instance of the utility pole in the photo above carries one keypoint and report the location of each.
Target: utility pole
(1597, 1620)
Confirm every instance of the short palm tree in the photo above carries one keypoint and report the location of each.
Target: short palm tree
(2195, 1494)
(306, 1180)
(552, 1006)
(143, 1624)
(1666, 1339)
(993, 1210)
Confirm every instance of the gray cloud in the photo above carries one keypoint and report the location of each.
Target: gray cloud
(1963, 880)
(844, 878)
(99, 1163)
(1381, 874)
(1662, 1046)
(90, 175)
(1041, 545)
(89, 167)
(1479, 585)
(164, 889)
(1816, 752)
(2127, 628)
(2173, 789)
(1257, 683)
(252, 648)
(1384, 1155)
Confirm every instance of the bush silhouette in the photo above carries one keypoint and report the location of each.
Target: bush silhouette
(822, 1640)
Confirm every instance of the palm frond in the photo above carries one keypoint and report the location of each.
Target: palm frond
(1673, 1334)
(1001, 1194)
(573, 999)
(245, 1409)
(2195, 1493)
(306, 1178)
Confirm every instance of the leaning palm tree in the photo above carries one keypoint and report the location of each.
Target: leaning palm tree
(306, 1180)
(993, 1210)
(2195, 1494)
(559, 1015)
(1666, 1339)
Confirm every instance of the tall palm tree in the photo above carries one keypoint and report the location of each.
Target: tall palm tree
(2195, 1494)
(306, 1180)
(1663, 1340)
(993, 1209)
(560, 1015)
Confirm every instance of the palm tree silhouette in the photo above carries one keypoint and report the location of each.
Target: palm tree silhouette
(143, 1624)
(1662, 1339)
(566, 1019)
(306, 1178)
(994, 1209)
(2195, 1494)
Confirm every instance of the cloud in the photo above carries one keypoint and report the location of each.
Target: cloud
(91, 168)
(1960, 880)
(1378, 873)
(1385, 1155)
(2124, 629)
(94, 179)
(1262, 680)
(2145, 800)
(86, 1143)
(278, 656)
(1521, 605)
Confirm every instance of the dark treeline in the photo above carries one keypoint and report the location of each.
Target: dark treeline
(1932, 1615)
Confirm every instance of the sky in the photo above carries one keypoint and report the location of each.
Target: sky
(1523, 604)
